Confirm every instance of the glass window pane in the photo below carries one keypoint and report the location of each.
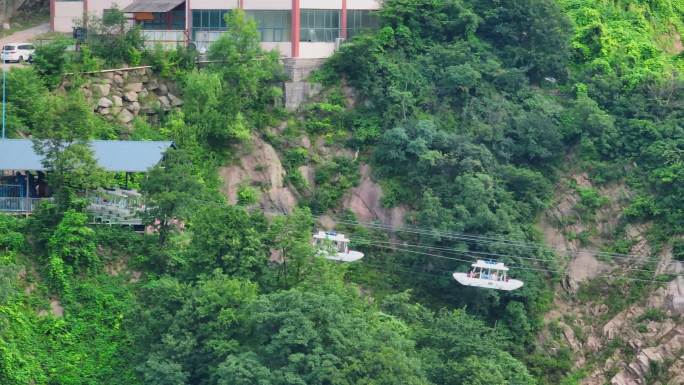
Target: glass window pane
(320, 25)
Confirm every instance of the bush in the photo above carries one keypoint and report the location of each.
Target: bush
(678, 250)
(248, 195)
(50, 61)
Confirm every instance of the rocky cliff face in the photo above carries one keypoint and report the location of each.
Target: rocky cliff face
(621, 329)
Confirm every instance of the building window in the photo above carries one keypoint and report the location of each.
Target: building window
(320, 24)
(209, 19)
(173, 20)
(359, 21)
(273, 26)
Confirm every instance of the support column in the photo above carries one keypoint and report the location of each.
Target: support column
(343, 24)
(85, 14)
(188, 25)
(296, 27)
(241, 4)
(52, 15)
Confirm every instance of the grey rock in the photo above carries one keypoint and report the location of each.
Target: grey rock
(118, 80)
(175, 101)
(125, 116)
(104, 111)
(164, 102)
(108, 75)
(162, 90)
(152, 85)
(118, 102)
(131, 96)
(143, 94)
(102, 89)
(136, 87)
(104, 103)
(134, 108)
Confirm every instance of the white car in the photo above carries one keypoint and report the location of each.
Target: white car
(17, 52)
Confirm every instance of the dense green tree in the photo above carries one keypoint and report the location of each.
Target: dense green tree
(230, 239)
(530, 34)
(170, 189)
(74, 242)
(249, 74)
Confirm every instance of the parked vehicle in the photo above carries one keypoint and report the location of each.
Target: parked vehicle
(17, 52)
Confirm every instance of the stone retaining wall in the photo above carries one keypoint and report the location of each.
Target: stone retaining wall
(123, 94)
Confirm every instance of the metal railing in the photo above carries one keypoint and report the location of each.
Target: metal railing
(20, 205)
(10, 190)
(168, 39)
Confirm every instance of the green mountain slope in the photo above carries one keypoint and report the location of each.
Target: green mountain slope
(475, 117)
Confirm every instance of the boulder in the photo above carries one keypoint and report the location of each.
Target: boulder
(104, 103)
(162, 90)
(135, 87)
(131, 96)
(118, 102)
(143, 94)
(102, 89)
(152, 85)
(675, 296)
(108, 75)
(118, 80)
(104, 111)
(134, 108)
(125, 116)
(175, 101)
(164, 102)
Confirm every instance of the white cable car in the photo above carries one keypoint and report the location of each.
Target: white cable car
(335, 247)
(489, 275)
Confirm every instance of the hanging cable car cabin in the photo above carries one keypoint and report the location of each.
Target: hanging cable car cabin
(334, 246)
(488, 274)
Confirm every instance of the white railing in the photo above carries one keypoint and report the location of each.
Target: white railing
(168, 39)
(203, 39)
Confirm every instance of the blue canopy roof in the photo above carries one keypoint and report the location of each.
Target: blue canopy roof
(111, 155)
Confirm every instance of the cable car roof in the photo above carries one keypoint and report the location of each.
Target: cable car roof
(493, 265)
(332, 236)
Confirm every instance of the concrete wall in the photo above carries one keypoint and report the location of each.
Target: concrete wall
(65, 13)
(285, 48)
(213, 4)
(96, 7)
(363, 4)
(267, 4)
(320, 4)
(308, 50)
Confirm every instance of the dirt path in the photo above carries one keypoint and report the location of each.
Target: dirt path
(26, 35)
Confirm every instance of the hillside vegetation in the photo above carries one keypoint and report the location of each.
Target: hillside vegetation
(468, 112)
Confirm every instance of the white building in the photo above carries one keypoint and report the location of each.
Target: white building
(296, 28)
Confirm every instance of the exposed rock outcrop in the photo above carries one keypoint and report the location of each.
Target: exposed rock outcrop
(260, 167)
(365, 201)
(563, 220)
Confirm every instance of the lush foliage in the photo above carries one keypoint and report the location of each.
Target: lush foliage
(465, 110)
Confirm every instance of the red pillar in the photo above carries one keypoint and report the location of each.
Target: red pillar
(52, 15)
(296, 26)
(343, 26)
(241, 4)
